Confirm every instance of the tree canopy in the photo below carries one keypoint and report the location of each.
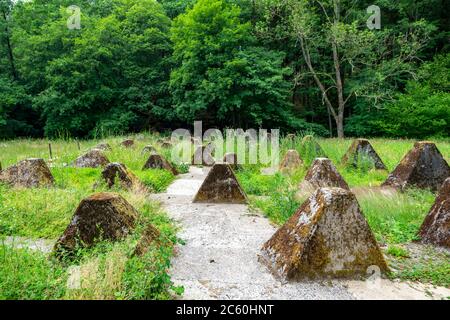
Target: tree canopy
(298, 65)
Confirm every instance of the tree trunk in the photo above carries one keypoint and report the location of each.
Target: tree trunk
(339, 82)
(340, 125)
(8, 45)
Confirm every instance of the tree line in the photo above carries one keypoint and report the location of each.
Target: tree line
(298, 65)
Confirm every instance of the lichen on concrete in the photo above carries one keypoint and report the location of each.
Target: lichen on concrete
(127, 143)
(327, 237)
(148, 149)
(29, 173)
(436, 226)
(291, 161)
(422, 167)
(156, 161)
(322, 173)
(102, 216)
(92, 159)
(221, 186)
(362, 150)
(103, 147)
(118, 174)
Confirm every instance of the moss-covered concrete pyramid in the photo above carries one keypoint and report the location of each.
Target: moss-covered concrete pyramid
(92, 159)
(102, 216)
(436, 226)
(221, 186)
(118, 174)
(166, 145)
(148, 149)
(156, 161)
(361, 151)
(422, 167)
(128, 143)
(29, 173)
(322, 173)
(103, 147)
(291, 161)
(327, 237)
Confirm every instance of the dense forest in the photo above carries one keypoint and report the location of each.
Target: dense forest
(298, 65)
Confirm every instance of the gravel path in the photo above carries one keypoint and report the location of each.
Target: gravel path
(219, 258)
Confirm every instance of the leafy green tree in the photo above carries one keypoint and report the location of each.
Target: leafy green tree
(362, 63)
(7, 59)
(16, 116)
(176, 7)
(222, 74)
(109, 77)
(424, 109)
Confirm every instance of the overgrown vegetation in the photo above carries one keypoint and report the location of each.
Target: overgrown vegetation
(109, 270)
(303, 66)
(395, 218)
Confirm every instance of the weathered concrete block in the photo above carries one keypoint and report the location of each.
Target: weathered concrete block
(436, 226)
(327, 237)
(149, 236)
(422, 167)
(221, 186)
(156, 161)
(102, 216)
(362, 151)
(322, 173)
(92, 159)
(117, 173)
(166, 145)
(291, 161)
(103, 147)
(29, 173)
(148, 149)
(128, 143)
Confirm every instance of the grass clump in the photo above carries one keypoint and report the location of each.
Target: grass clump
(397, 251)
(157, 180)
(29, 275)
(396, 218)
(37, 213)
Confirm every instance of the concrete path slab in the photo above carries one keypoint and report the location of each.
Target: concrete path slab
(43, 245)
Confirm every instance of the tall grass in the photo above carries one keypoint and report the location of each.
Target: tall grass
(109, 270)
(112, 272)
(28, 275)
